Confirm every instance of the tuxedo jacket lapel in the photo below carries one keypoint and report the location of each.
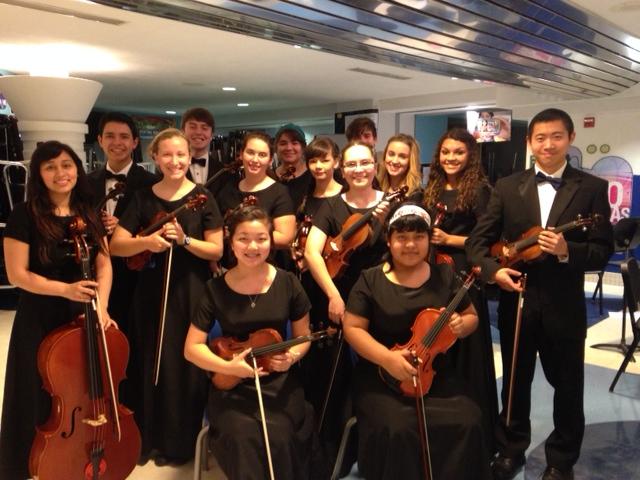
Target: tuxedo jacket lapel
(528, 191)
(564, 195)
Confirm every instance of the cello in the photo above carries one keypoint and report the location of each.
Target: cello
(89, 434)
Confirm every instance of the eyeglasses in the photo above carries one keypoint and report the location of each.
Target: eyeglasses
(363, 164)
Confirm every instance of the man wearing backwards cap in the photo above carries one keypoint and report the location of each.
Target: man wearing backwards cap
(289, 145)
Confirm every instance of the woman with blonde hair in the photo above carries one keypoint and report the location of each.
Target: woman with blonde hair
(168, 414)
(401, 166)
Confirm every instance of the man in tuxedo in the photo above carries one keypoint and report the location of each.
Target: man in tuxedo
(118, 138)
(550, 194)
(198, 126)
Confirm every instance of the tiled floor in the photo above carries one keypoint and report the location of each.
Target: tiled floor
(600, 405)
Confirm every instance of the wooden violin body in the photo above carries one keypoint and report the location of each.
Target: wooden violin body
(63, 446)
(300, 241)
(355, 232)
(264, 343)
(430, 336)
(526, 249)
(138, 261)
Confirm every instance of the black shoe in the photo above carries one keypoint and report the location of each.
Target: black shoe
(505, 468)
(553, 473)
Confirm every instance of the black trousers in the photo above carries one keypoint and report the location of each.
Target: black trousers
(562, 361)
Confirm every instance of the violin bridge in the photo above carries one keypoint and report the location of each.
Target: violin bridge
(95, 422)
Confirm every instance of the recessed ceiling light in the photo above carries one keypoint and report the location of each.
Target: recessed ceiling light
(229, 89)
(297, 46)
(477, 80)
(243, 104)
(170, 112)
(454, 78)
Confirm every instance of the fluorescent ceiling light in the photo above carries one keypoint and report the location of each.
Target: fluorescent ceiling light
(243, 104)
(170, 112)
(56, 59)
(229, 89)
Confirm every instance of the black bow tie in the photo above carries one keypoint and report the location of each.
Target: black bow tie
(199, 161)
(555, 182)
(118, 177)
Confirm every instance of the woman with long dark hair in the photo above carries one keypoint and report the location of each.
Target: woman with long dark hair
(457, 180)
(40, 261)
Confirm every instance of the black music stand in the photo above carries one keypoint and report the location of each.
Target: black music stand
(626, 238)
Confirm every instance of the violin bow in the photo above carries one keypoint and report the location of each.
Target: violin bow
(263, 417)
(516, 341)
(421, 410)
(163, 315)
(334, 368)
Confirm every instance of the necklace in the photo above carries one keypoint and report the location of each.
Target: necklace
(253, 299)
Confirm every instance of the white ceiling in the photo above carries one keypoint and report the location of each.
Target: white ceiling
(168, 65)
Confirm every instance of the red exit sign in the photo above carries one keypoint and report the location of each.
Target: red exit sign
(589, 122)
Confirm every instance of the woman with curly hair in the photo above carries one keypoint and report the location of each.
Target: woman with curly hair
(401, 166)
(457, 180)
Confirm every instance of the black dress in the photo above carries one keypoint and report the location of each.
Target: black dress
(169, 415)
(26, 404)
(299, 187)
(389, 445)
(330, 218)
(473, 355)
(274, 199)
(236, 429)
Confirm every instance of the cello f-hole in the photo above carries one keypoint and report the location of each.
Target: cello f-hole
(73, 423)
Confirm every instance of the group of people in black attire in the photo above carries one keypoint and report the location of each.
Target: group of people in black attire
(239, 265)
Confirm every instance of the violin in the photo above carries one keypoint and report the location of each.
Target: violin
(300, 241)
(140, 260)
(355, 231)
(115, 192)
(232, 167)
(526, 249)
(264, 343)
(434, 255)
(89, 434)
(288, 174)
(430, 336)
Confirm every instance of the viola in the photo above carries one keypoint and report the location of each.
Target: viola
(430, 336)
(526, 249)
(140, 260)
(264, 343)
(116, 191)
(355, 231)
(232, 167)
(89, 434)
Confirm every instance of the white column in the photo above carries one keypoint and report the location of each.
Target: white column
(50, 108)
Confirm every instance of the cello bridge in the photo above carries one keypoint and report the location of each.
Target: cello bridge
(95, 422)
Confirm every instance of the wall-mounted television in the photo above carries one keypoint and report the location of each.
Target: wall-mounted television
(489, 125)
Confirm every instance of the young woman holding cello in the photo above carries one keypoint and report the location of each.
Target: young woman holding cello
(248, 299)
(401, 166)
(40, 262)
(168, 402)
(381, 311)
(457, 181)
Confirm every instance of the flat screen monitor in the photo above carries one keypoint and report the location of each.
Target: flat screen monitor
(489, 125)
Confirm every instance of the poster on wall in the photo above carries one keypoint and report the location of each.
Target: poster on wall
(150, 125)
(343, 119)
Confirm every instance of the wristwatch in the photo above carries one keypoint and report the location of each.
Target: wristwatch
(187, 241)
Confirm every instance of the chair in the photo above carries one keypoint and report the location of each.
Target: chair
(346, 434)
(626, 238)
(631, 279)
(202, 452)
(14, 184)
